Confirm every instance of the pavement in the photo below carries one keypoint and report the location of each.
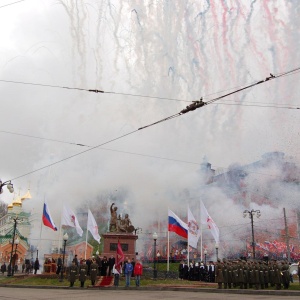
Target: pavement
(129, 294)
(173, 288)
(200, 287)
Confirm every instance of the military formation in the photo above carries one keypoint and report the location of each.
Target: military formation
(252, 274)
(82, 273)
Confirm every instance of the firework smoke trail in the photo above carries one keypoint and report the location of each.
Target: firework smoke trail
(203, 33)
(77, 14)
(169, 41)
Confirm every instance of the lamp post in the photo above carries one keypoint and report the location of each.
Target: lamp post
(154, 256)
(15, 220)
(37, 252)
(65, 238)
(217, 249)
(9, 185)
(251, 214)
(205, 253)
(13, 268)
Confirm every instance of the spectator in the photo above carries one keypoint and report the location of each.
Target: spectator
(36, 265)
(128, 272)
(3, 268)
(117, 270)
(138, 272)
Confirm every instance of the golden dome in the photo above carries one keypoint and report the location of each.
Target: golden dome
(17, 202)
(10, 206)
(26, 196)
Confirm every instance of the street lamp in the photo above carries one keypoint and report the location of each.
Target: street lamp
(17, 241)
(251, 214)
(8, 184)
(37, 252)
(65, 238)
(217, 249)
(15, 220)
(154, 258)
(205, 253)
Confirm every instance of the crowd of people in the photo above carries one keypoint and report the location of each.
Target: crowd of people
(93, 267)
(27, 267)
(243, 274)
(257, 274)
(197, 271)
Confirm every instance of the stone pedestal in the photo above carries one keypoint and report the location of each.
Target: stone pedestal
(127, 241)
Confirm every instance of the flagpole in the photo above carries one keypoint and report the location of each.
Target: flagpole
(168, 246)
(188, 243)
(168, 252)
(60, 234)
(86, 236)
(201, 245)
(41, 225)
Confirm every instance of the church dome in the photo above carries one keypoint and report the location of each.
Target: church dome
(17, 202)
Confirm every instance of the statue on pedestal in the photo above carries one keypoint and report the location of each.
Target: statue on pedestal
(119, 224)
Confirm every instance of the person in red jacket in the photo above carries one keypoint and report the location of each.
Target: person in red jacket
(138, 271)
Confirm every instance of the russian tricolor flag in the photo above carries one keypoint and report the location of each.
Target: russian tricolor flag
(177, 225)
(47, 220)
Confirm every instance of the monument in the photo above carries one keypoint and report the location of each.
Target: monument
(120, 230)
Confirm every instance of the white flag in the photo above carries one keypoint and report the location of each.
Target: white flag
(70, 219)
(92, 227)
(207, 220)
(194, 232)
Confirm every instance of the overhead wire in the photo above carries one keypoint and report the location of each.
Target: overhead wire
(195, 105)
(74, 155)
(200, 103)
(128, 152)
(12, 3)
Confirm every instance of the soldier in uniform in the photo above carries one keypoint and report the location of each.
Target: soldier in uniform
(261, 275)
(230, 275)
(240, 272)
(246, 274)
(285, 274)
(277, 276)
(219, 274)
(250, 274)
(255, 280)
(73, 273)
(83, 268)
(234, 273)
(272, 273)
(225, 273)
(266, 274)
(94, 272)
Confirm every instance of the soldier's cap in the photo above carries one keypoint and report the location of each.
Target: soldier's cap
(224, 259)
(218, 260)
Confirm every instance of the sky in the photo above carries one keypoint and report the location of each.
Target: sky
(151, 59)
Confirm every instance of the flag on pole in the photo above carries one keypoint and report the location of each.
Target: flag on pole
(207, 220)
(47, 220)
(175, 224)
(120, 256)
(70, 219)
(92, 227)
(194, 232)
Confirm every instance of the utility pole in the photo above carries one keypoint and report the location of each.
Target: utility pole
(287, 237)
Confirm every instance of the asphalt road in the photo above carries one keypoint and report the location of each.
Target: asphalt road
(37, 294)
